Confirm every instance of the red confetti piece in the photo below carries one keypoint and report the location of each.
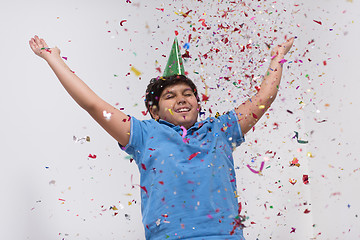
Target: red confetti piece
(121, 23)
(203, 22)
(143, 166)
(186, 14)
(318, 22)
(176, 33)
(306, 211)
(204, 97)
(254, 116)
(193, 155)
(305, 179)
(144, 188)
(61, 199)
(161, 9)
(292, 181)
(92, 156)
(161, 182)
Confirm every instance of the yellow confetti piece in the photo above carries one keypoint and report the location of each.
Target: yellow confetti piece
(135, 71)
(261, 106)
(128, 194)
(114, 208)
(171, 112)
(309, 154)
(129, 203)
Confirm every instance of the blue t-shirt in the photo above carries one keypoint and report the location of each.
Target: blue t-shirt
(188, 187)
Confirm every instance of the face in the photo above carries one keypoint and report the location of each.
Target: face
(177, 105)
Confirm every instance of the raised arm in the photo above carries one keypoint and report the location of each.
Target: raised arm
(254, 108)
(115, 122)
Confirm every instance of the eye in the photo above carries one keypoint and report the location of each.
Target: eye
(169, 96)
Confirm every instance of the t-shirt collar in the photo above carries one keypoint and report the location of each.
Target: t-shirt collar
(197, 125)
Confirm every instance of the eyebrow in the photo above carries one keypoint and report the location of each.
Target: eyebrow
(171, 92)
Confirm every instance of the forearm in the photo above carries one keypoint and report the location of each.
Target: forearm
(270, 85)
(77, 89)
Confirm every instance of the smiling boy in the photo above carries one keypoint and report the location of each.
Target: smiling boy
(188, 184)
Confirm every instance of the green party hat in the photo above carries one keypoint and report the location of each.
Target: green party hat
(174, 65)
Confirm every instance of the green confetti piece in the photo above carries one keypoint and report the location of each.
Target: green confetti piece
(297, 138)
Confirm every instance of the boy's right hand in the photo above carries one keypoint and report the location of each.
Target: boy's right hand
(40, 48)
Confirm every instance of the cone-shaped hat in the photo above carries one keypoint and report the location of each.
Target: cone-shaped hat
(174, 65)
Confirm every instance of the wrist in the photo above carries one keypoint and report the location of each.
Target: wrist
(49, 53)
(279, 58)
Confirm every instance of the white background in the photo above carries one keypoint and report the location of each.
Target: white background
(51, 189)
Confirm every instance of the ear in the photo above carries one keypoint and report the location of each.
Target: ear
(154, 111)
(199, 107)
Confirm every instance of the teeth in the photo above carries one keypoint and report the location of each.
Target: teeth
(183, 110)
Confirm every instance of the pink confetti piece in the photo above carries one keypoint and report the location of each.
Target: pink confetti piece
(282, 61)
(261, 168)
(185, 140)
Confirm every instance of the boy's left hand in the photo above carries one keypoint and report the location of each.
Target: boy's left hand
(282, 49)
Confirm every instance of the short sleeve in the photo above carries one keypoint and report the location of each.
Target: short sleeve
(138, 133)
(231, 128)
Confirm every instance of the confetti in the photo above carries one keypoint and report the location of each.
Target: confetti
(257, 172)
(193, 155)
(292, 181)
(297, 138)
(305, 179)
(122, 22)
(135, 71)
(107, 115)
(185, 140)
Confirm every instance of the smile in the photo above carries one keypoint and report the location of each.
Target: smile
(181, 110)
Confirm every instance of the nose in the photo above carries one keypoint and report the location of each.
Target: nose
(181, 100)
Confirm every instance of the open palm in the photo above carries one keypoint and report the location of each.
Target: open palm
(40, 48)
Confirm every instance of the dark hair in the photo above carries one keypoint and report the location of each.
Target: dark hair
(157, 85)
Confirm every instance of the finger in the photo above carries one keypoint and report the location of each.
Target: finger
(37, 40)
(43, 43)
(32, 44)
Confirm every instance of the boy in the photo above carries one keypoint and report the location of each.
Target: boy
(188, 186)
